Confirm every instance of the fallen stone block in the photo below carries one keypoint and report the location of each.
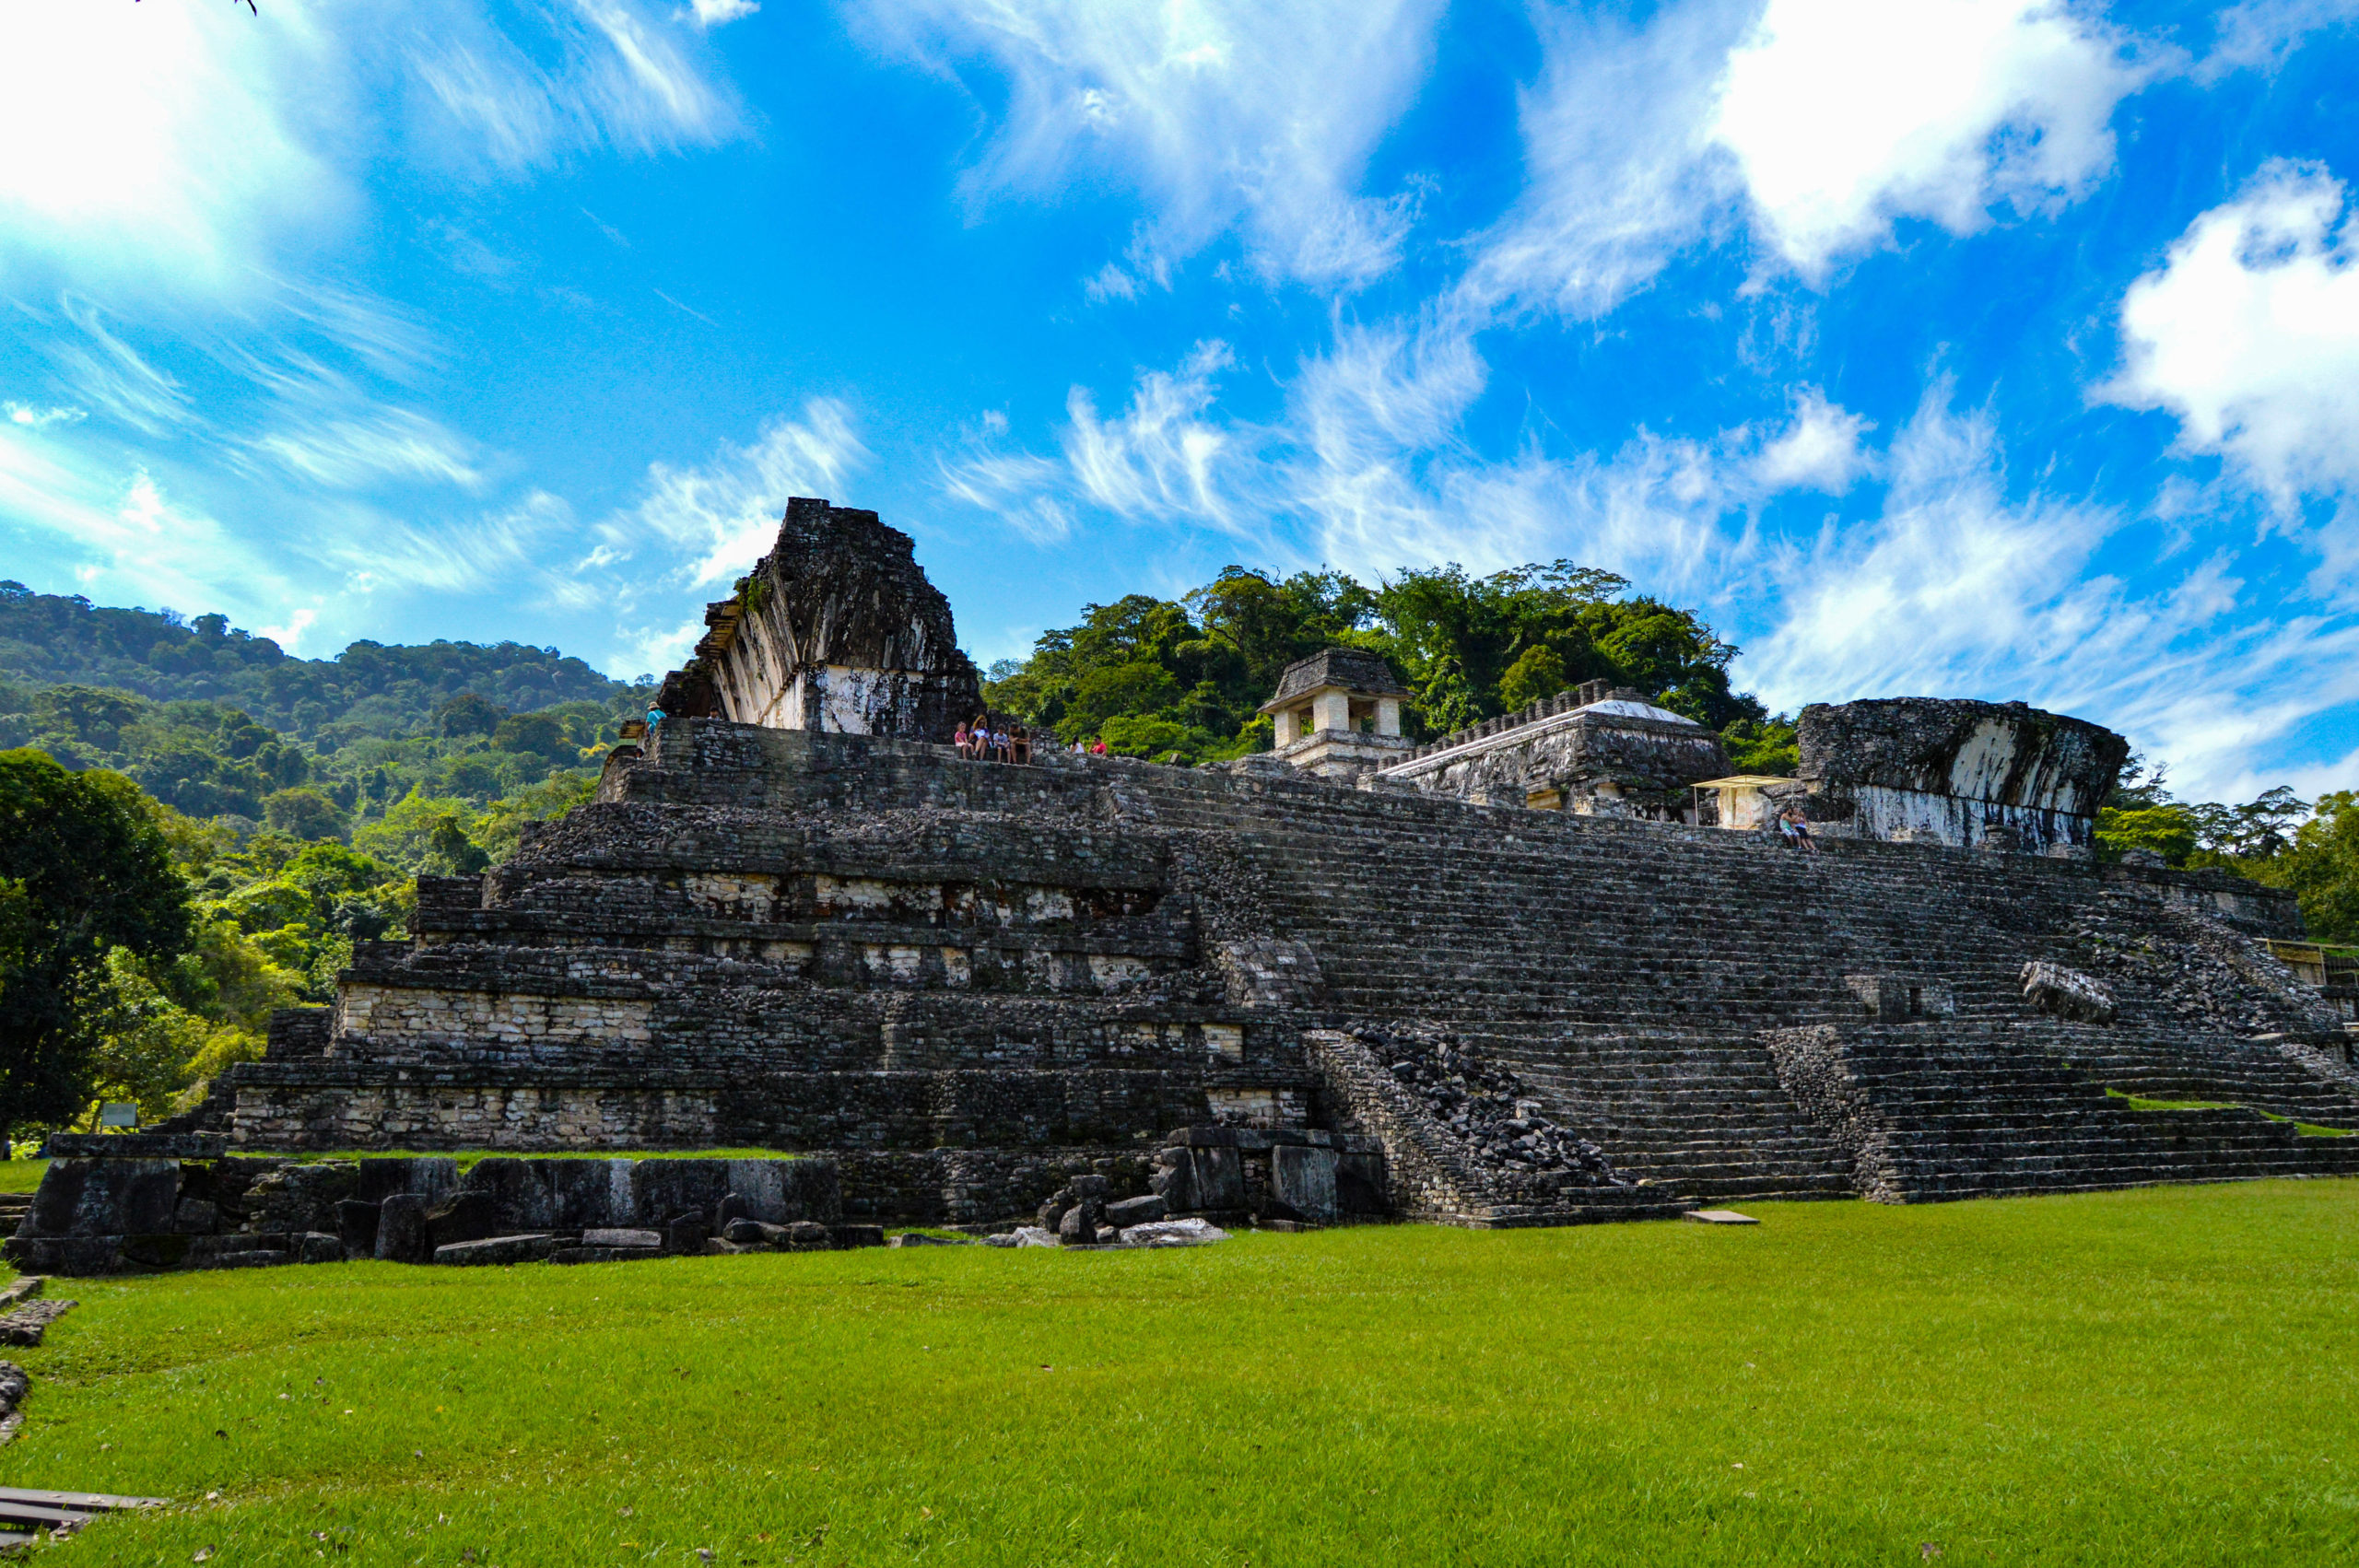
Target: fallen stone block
(463, 1216)
(918, 1238)
(849, 1236)
(1174, 1232)
(603, 1254)
(318, 1246)
(357, 1222)
(401, 1230)
(1721, 1217)
(498, 1250)
(1034, 1235)
(686, 1234)
(622, 1238)
(1127, 1211)
(2067, 993)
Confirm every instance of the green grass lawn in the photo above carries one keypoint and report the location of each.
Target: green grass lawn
(2148, 1377)
(21, 1175)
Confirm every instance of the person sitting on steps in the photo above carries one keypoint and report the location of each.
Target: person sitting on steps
(1796, 828)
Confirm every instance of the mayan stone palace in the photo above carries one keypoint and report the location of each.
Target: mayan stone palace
(1563, 966)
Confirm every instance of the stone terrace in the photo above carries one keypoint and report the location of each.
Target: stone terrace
(969, 981)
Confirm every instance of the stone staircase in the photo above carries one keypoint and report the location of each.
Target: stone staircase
(1631, 972)
(1947, 1111)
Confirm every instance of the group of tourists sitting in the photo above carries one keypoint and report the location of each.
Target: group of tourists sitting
(986, 741)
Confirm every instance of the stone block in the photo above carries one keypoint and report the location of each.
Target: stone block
(196, 1217)
(1127, 1211)
(356, 1222)
(146, 1253)
(2067, 993)
(732, 1208)
(1174, 1232)
(603, 1254)
(684, 1235)
(318, 1246)
(137, 1146)
(554, 1194)
(401, 1229)
(259, 1258)
(849, 1236)
(620, 1236)
(72, 1256)
(1360, 1184)
(428, 1176)
(1218, 1179)
(918, 1238)
(104, 1198)
(463, 1216)
(1302, 1182)
(498, 1250)
(809, 1235)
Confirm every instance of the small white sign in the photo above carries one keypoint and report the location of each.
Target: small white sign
(117, 1113)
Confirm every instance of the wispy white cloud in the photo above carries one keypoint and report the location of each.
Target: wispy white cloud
(386, 554)
(522, 89)
(111, 375)
(382, 443)
(2262, 34)
(1843, 115)
(726, 511)
(1615, 140)
(1224, 114)
(719, 13)
(1159, 459)
(2249, 334)
(1820, 450)
(42, 418)
(118, 524)
(1020, 489)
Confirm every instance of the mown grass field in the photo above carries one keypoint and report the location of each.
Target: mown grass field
(2150, 1377)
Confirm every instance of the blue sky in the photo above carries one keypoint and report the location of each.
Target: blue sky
(1996, 348)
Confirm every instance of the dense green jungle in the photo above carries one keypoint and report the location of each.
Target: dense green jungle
(195, 826)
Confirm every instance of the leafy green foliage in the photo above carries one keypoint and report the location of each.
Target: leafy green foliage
(2276, 839)
(92, 873)
(291, 835)
(1179, 680)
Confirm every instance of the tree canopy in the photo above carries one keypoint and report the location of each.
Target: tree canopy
(2275, 838)
(89, 874)
(1179, 679)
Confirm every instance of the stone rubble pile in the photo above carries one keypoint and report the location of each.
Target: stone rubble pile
(1493, 1110)
(2198, 972)
(1082, 1213)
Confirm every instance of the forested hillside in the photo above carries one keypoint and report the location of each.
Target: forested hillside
(368, 689)
(296, 800)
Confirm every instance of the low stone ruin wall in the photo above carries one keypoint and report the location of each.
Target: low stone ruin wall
(158, 1203)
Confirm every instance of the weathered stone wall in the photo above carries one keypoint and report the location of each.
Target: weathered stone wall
(836, 630)
(976, 981)
(1607, 758)
(1953, 771)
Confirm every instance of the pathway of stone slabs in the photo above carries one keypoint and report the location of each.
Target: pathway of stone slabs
(24, 1512)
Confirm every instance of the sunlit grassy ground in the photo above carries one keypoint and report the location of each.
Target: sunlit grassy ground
(2161, 1377)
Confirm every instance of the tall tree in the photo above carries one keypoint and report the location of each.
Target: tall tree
(94, 873)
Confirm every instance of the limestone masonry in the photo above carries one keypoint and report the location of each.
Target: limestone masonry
(1553, 969)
